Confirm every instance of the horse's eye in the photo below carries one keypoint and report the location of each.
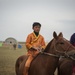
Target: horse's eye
(61, 43)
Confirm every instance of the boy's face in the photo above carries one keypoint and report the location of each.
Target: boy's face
(36, 28)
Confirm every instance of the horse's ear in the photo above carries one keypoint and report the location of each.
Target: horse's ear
(55, 35)
(60, 34)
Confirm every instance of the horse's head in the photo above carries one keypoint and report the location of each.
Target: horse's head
(59, 45)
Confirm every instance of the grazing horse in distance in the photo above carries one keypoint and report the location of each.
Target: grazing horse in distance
(14, 46)
(46, 62)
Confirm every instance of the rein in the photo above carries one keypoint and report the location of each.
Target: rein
(65, 52)
(71, 58)
(40, 51)
(51, 54)
(58, 56)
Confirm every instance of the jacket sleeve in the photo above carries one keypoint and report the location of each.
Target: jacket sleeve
(43, 43)
(28, 42)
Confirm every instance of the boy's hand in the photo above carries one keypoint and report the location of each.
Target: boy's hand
(40, 49)
(33, 48)
(37, 49)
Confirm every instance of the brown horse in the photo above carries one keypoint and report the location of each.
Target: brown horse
(65, 66)
(46, 62)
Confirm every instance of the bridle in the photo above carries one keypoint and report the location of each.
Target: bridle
(65, 52)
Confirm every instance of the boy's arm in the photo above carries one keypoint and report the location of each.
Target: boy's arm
(28, 42)
(43, 43)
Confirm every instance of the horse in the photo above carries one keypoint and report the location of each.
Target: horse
(46, 62)
(65, 66)
(14, 46)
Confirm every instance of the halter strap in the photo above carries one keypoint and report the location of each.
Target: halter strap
(65, 52)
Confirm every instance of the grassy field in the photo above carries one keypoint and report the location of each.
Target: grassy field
(8, 58)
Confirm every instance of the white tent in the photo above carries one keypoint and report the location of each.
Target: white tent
(11, 40)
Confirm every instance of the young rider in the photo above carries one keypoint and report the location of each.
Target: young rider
(34, 43)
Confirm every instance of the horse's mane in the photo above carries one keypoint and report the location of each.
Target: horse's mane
(48, 46)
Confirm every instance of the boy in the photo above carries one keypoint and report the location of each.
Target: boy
(34, 43)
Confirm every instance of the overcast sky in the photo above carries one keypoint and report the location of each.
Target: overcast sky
(17, 17)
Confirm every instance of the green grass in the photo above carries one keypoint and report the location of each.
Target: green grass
(8, 59)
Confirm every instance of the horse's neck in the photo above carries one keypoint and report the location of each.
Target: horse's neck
(52, 64)
(52, 59)
(50, 47)
(45, 62)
